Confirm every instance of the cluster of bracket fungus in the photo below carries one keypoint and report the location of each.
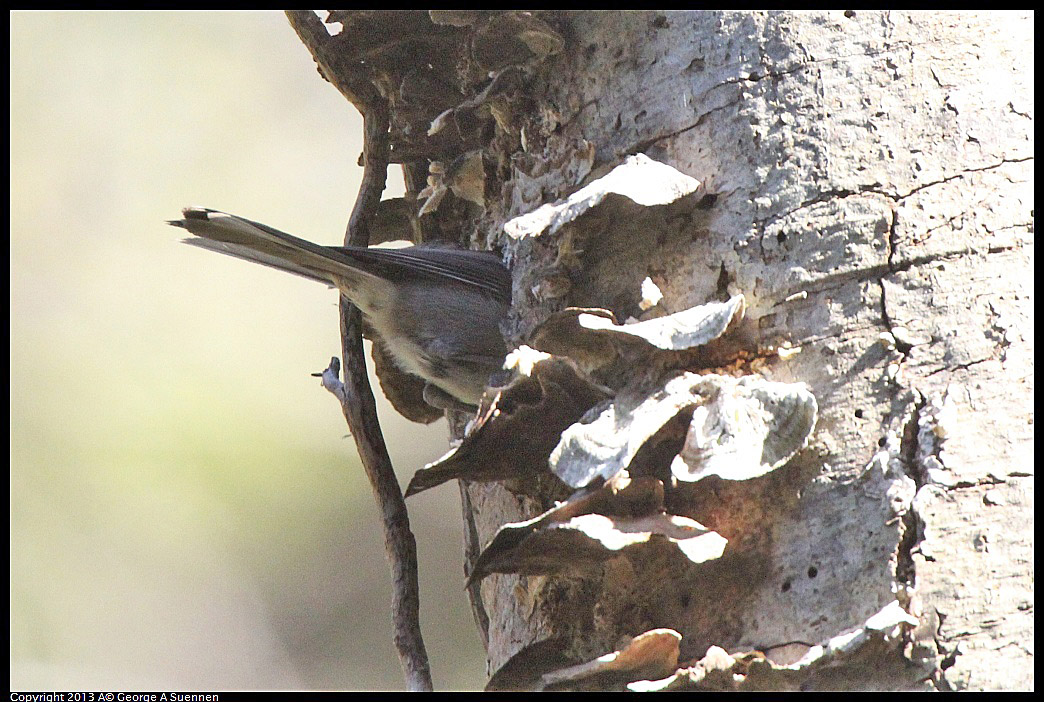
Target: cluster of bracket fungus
(618, 450)
(650, 662)
(449, 77)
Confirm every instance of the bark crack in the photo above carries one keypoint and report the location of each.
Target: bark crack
(643, 145)
(876, 188)
(955, 176)
(959, 366)
(827, 195)
(912, 526)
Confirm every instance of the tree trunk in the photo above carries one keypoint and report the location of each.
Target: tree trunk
(874, 208)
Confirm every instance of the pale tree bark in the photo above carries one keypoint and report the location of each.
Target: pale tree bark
(874, 207)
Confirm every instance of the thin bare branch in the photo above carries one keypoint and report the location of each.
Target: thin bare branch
(356, 396)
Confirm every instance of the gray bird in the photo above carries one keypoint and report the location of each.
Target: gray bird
(437, 309)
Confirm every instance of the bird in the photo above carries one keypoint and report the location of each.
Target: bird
(438, 309)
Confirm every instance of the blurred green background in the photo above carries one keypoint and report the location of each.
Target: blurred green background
(186, 509)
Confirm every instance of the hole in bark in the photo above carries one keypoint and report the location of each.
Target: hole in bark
(812, 571)
(859, 414)
(786, 585)
(723, 282)
(708, 200)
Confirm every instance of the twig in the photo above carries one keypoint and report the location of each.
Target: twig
(355, 395)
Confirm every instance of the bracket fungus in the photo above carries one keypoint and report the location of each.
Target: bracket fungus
(595, 525)
(636, 184)
(519, 425)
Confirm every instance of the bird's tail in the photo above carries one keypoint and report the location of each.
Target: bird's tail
(253, 241)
